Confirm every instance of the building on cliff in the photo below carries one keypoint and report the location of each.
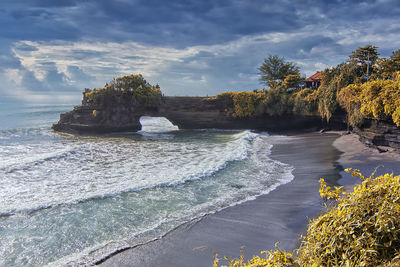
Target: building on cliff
(313, 81)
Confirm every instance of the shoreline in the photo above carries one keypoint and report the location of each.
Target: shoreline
(280, 216)
(358, 155)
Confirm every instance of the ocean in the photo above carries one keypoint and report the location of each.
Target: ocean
(74, 200)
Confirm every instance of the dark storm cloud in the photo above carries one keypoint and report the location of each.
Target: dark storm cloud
(178, 23)
(175, 22)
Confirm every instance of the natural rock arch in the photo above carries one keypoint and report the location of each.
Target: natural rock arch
(156, 124)
(185, 112)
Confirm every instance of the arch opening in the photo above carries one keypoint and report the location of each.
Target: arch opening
(156, 124)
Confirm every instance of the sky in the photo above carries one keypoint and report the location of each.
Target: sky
(51, 49)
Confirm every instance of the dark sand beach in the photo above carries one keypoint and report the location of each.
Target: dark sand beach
(280, 216)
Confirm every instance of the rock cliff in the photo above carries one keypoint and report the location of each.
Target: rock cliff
(122, 114)
(379, 133)
(111, 114)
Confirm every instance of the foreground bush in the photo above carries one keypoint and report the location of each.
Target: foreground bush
(362, 229)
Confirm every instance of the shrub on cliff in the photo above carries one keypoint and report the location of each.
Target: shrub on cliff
(379, 99)
(333, 80)
(278, 101)
(306, 102)
(273, 102)
(361, 229)
(242, 104)
(134, 87)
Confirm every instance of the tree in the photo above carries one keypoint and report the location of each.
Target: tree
(389, 67)
(365, 55)
(275, 69)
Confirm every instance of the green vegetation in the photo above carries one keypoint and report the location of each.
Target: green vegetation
(273, 102)
(131, 87)
(353, 85)
(361, 228)
(243, 104)
(275, 69)
(366, 56)
(366, 86)
(276, 101)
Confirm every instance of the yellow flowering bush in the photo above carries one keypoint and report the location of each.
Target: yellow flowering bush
(271, 259)
(243, 104)
(361, 229)
(272, 102)
(378, 98)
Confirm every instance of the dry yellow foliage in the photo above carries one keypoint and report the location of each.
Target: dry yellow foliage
(361, 229)
(379, 99)
(306, 102)
(244, 103)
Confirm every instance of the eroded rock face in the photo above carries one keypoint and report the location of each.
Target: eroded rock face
(379, 133)
(119, 115)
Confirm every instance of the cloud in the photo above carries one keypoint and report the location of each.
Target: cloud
(98, 60)
(13, 88)
(14, 76)
(191, 47)
(189, 70)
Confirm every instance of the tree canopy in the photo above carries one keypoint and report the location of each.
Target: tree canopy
(134, 87)
(366, 55)
(389, 66)
(275, 69)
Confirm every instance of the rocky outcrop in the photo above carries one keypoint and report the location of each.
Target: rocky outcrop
(120, 115)
(379, 133)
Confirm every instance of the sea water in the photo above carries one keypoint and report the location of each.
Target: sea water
(68, 199)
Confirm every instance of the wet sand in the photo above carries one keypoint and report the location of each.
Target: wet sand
(358, 156)
(280, 216)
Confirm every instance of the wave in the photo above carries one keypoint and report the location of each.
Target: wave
(26, 132)
(142, 187)
(22, 162)
(193, 163)
(101, 252)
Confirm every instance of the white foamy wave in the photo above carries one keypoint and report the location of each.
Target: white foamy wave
(104, 168)
(264, 176)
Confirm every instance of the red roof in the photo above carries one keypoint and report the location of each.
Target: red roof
(314, 78)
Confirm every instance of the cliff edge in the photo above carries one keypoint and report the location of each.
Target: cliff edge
(119, 114)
